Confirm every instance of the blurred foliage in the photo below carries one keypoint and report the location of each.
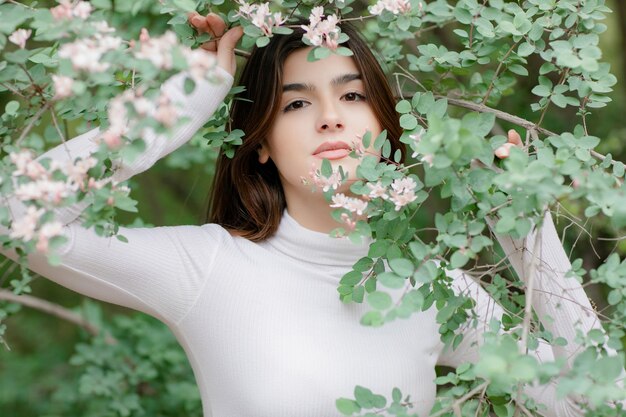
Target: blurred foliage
(45, 351)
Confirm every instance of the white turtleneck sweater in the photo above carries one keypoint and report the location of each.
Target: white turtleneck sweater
(261, 323)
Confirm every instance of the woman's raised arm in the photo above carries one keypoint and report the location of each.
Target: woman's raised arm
(152, 272)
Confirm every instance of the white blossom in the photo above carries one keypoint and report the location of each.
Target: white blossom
(62, 86)
(260, 16)
(403, 192)
(20, 36)
(68, 10)
(320, 181)
(86, 54)
(77, 172)
(201, 64)
(25, 165)
(353, 205)
(165, 113)
(320, 31)
(377, 191)
(157, 50)
(47, 232)
(394, 6)
(24, 227)
(43, 190)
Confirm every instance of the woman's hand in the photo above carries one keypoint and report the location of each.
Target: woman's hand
(504, 150)
(223, 44)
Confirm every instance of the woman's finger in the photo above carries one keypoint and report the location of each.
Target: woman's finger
(226, 49)
(198, 22)
(504, 150)
(514, 138)
(216, 24)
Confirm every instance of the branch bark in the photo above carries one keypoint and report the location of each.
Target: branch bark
(50, 308)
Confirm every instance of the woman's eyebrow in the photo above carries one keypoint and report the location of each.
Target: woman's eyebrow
(337, 81)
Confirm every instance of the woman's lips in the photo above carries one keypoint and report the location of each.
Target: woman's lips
(332, 150)
(333, 154)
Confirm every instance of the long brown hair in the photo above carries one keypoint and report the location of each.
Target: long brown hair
(247, 196)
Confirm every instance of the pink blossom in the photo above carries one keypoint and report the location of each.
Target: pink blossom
(353, 205)
(320, 181)
(20, 36)
(112, 139)
(415, 138)
(77, 172)
(377, 191)
(82, 10)
(63, 11)
(403, 192)
(166, 113)
(394, 6)
(47, 232)
(43, 190)
(357, 146)
(24, 228)
(86, 54)
(66, 10)
(320, 31)
(428, 159)
(25, 165)
(157, 50)
(201, 64)
(94, 184)
(62, 86)
(102, 27)
(348, 221)
(260, 16)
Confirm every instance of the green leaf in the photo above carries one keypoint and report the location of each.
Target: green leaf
(542, 91)
(396, 395)
(262, 41)
(372, 318)
(408, 122)
(347, 407)
(12, 107)
(186, 5)
(391, 280)
(505, 224)
(326, 170)
(525, 49)
(379, 300)
(518, 69)
(458, 259)
(403, 106)
(363, 397)
(401, 266)
(189, 85)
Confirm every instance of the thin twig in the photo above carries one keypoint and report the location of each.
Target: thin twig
(495, 74)
(50, 308)
(36, 117)
(461, 400)
(530, 286)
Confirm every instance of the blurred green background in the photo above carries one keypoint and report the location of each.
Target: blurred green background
(36, 375)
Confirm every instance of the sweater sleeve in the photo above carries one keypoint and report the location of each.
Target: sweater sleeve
(159, 270)
(560, 303)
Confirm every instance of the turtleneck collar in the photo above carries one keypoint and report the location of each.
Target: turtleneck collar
(305, 245)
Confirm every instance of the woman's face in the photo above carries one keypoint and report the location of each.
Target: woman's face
(323, 111)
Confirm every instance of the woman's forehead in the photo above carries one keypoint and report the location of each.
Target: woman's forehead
(297, 69)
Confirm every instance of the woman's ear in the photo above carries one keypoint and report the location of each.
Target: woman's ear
(264, 153)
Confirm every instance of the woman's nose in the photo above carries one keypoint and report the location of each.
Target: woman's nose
(329, 120)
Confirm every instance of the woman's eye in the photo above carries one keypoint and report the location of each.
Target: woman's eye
(353, 96)
(298, 104)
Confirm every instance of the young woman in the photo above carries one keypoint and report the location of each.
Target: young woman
(251, 296)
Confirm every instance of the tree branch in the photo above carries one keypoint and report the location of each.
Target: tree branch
(50, 308)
